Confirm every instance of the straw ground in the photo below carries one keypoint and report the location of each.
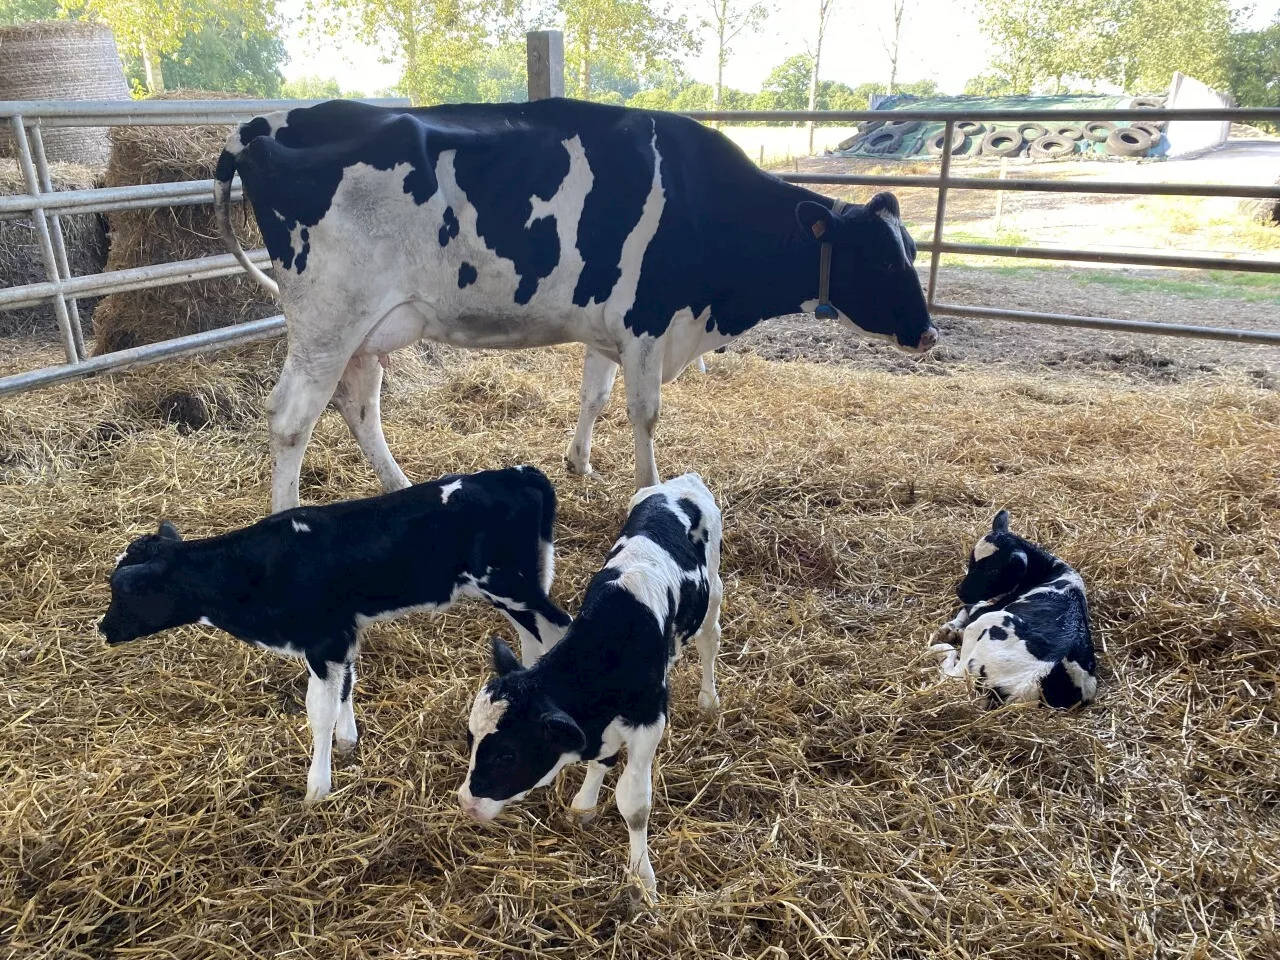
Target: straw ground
(845, 803)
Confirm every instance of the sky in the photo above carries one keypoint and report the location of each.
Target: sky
(940, 41)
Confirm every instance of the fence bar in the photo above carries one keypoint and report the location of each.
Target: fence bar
(1260, 191)
(1234, 114)
(135, 278)
(59, 242)
(108, 198)
(46, 242)
(1266, 337)
(121, 360)
(944, 177)
(145, 113)
(1105, 256)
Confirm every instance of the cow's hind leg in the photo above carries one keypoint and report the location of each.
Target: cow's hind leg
(358, 400)
(295, 405)
(642, 372)
(598, 373)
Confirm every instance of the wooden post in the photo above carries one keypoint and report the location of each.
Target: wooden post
(545, 56)
(1004, 166)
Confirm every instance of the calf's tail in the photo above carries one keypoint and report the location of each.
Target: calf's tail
(222, 206)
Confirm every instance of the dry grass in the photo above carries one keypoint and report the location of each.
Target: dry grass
(845, 803)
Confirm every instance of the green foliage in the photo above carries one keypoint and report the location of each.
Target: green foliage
(13, 12)
(1042, 44)
(993, 83)
(787, 88)
(222, 56)
(312, 88)
(1253, 66)
(620, 37)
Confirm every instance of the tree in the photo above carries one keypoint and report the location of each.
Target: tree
(311, 88)
(13, 12)
(726, 20)
(625, 36)
(1253, 66)
(153, 29)
(893, 42)
(1155, 37)
(825, 9)
(223, 57)
(439, 42)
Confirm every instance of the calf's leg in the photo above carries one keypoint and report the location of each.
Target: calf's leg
(634, 796)
(358, 399)
(324, 698)
(345, 734)
(707, 640)
(598, 373)
(585, 801)
(538, 622)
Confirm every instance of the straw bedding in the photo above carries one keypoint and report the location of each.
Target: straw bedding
(141, 237)
(845, 803)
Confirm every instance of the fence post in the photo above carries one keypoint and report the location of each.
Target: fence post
(944, 183)
(544, 50)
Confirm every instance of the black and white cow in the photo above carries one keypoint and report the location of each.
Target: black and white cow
(604, 686)
(646, 236)
(1024, 630)
(303, 583)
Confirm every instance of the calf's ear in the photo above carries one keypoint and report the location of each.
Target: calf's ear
(1017, 564)
(563, 731)
(1001, 524)
(504, 661)
(168, 531)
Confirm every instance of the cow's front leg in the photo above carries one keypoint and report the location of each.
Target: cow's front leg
(324, 698)
(634, 796)
(358, 399)
(299, 397)
(598, 373)
(642, 371)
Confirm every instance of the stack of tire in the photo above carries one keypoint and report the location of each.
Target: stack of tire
(1040, 141)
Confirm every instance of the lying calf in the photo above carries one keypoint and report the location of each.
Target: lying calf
(604, 686)
(1024, 631)
(304, 582)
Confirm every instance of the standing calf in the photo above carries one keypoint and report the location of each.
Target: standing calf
(604, 686)
(305, 582)
(1024, 631)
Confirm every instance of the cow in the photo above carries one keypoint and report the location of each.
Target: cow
(604, 685)
(305, 582)
(643, 235)
(1023, 633)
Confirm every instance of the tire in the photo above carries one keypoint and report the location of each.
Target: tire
(1071, 131)
(958, 143)
(1098, 130)
(903, 127)
(1032, 131)
(1153, 128)
(971, 128)
(1129, 142)
(881, 142)
(1006, 142)
(1149, 103)
(869, 126)
(1051, 147)
(848, 143)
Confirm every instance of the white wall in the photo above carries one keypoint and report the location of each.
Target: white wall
(1193, 136)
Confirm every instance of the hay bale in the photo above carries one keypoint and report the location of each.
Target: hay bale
(141, 237)
(62, 60)
(20, 260)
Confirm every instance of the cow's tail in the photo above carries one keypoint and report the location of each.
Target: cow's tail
(222, 206)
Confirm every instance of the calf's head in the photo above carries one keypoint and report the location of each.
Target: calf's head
(142, 599)
(518, 738)
(874, 285)
(996, 565)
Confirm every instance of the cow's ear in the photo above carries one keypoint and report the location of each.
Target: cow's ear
(504, 661)
(815, 219)
(886, 202)
(563, 731)
(1001, 522)
(168, 531)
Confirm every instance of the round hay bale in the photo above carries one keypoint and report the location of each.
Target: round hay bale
(62, 60)
(141, 237)
(20, 259)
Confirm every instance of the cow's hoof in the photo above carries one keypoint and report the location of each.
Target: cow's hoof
(583, 817)
(578, 470)
(344, 748)
(314, 796)
(708, 702)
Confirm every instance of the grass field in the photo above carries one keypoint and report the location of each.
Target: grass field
(845, 803)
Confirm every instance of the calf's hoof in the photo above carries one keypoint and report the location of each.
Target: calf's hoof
(314, 796)
(946, 634)
(708, 702)
(583, 817)
(344, 748)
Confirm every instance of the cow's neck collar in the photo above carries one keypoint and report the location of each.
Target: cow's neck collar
(824, 310)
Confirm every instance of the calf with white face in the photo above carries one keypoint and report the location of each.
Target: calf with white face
(1024, 630)
(604, 685)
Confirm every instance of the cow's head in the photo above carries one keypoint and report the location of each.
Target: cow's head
(142, 598)
(519, 739)
(996, 565)
(874, 285)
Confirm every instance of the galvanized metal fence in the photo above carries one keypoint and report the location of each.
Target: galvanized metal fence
(45, 206)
